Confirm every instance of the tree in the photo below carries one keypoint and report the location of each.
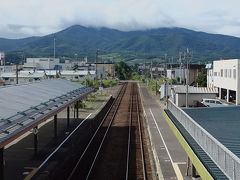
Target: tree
(123, 70)
(202, 78)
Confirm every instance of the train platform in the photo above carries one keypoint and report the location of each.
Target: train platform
(20, 159)
(171, 159)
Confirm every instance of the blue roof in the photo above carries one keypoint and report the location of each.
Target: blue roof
(223, 123)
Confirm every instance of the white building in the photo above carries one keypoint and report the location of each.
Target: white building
(192, 72)
(22, 77)
(209, 68)
(176, 73)
(178, 95)
(77, 75)
(41, 63)
(9, 68)
(225, 75)
(165, 90)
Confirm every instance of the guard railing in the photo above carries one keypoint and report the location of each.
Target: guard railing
(228, 162)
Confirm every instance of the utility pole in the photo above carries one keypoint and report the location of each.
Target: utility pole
(165, 66)
(187, 81)
(23, 58)
(54, 47)
(180, 66)
(188, 59)
(151, 71)
(54, 50)
(4, 64)
(156, 86)
(145, 74)
(165, 81)
(96, 61)
(17, 73)
(171, 71)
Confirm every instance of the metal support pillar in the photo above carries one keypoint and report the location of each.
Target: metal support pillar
(220, 93)
(55, 125)
(77, 105)
(237, 97)
(228, 95)
(35, 132)
(1, 163)
(194, 172)
(74, 111)
(68, 117)
(188, 166)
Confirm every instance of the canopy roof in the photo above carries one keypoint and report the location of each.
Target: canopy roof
(22, 107)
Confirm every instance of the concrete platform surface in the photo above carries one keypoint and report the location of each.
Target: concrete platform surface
(169, 155)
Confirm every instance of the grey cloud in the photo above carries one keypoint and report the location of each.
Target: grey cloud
(40, 18)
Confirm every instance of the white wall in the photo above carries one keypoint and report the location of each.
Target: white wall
(165, 88)
(181, 98)
(223, 80)
(174, 73)
(210, 78)
(22, 80)
(223, 76)
(42, 63)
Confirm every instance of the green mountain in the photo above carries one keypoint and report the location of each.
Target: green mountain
(130, 45)
(13, 44)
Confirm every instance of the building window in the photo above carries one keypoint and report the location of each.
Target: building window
(225, 73)
(229, 73)
(234, 73)
(221, 73)
(215, 73)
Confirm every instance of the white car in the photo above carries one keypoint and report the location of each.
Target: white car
(213, 103)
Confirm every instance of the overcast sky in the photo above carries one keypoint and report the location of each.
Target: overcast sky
(23, 18)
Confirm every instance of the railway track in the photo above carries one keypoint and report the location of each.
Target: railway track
(135, 140)
(116, 149)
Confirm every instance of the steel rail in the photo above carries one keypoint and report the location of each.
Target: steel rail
(135, 95)
(129, 134)
(141, 139)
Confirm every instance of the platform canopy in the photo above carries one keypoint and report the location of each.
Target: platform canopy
(23, 107)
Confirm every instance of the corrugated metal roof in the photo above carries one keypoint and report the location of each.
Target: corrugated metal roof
(222, 123)
(49, 72)
(23, 107)
(19, 98)
(73, 73)
(195, 90)
(23, 74)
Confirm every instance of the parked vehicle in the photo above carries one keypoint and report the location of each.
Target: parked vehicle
(213, 103)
